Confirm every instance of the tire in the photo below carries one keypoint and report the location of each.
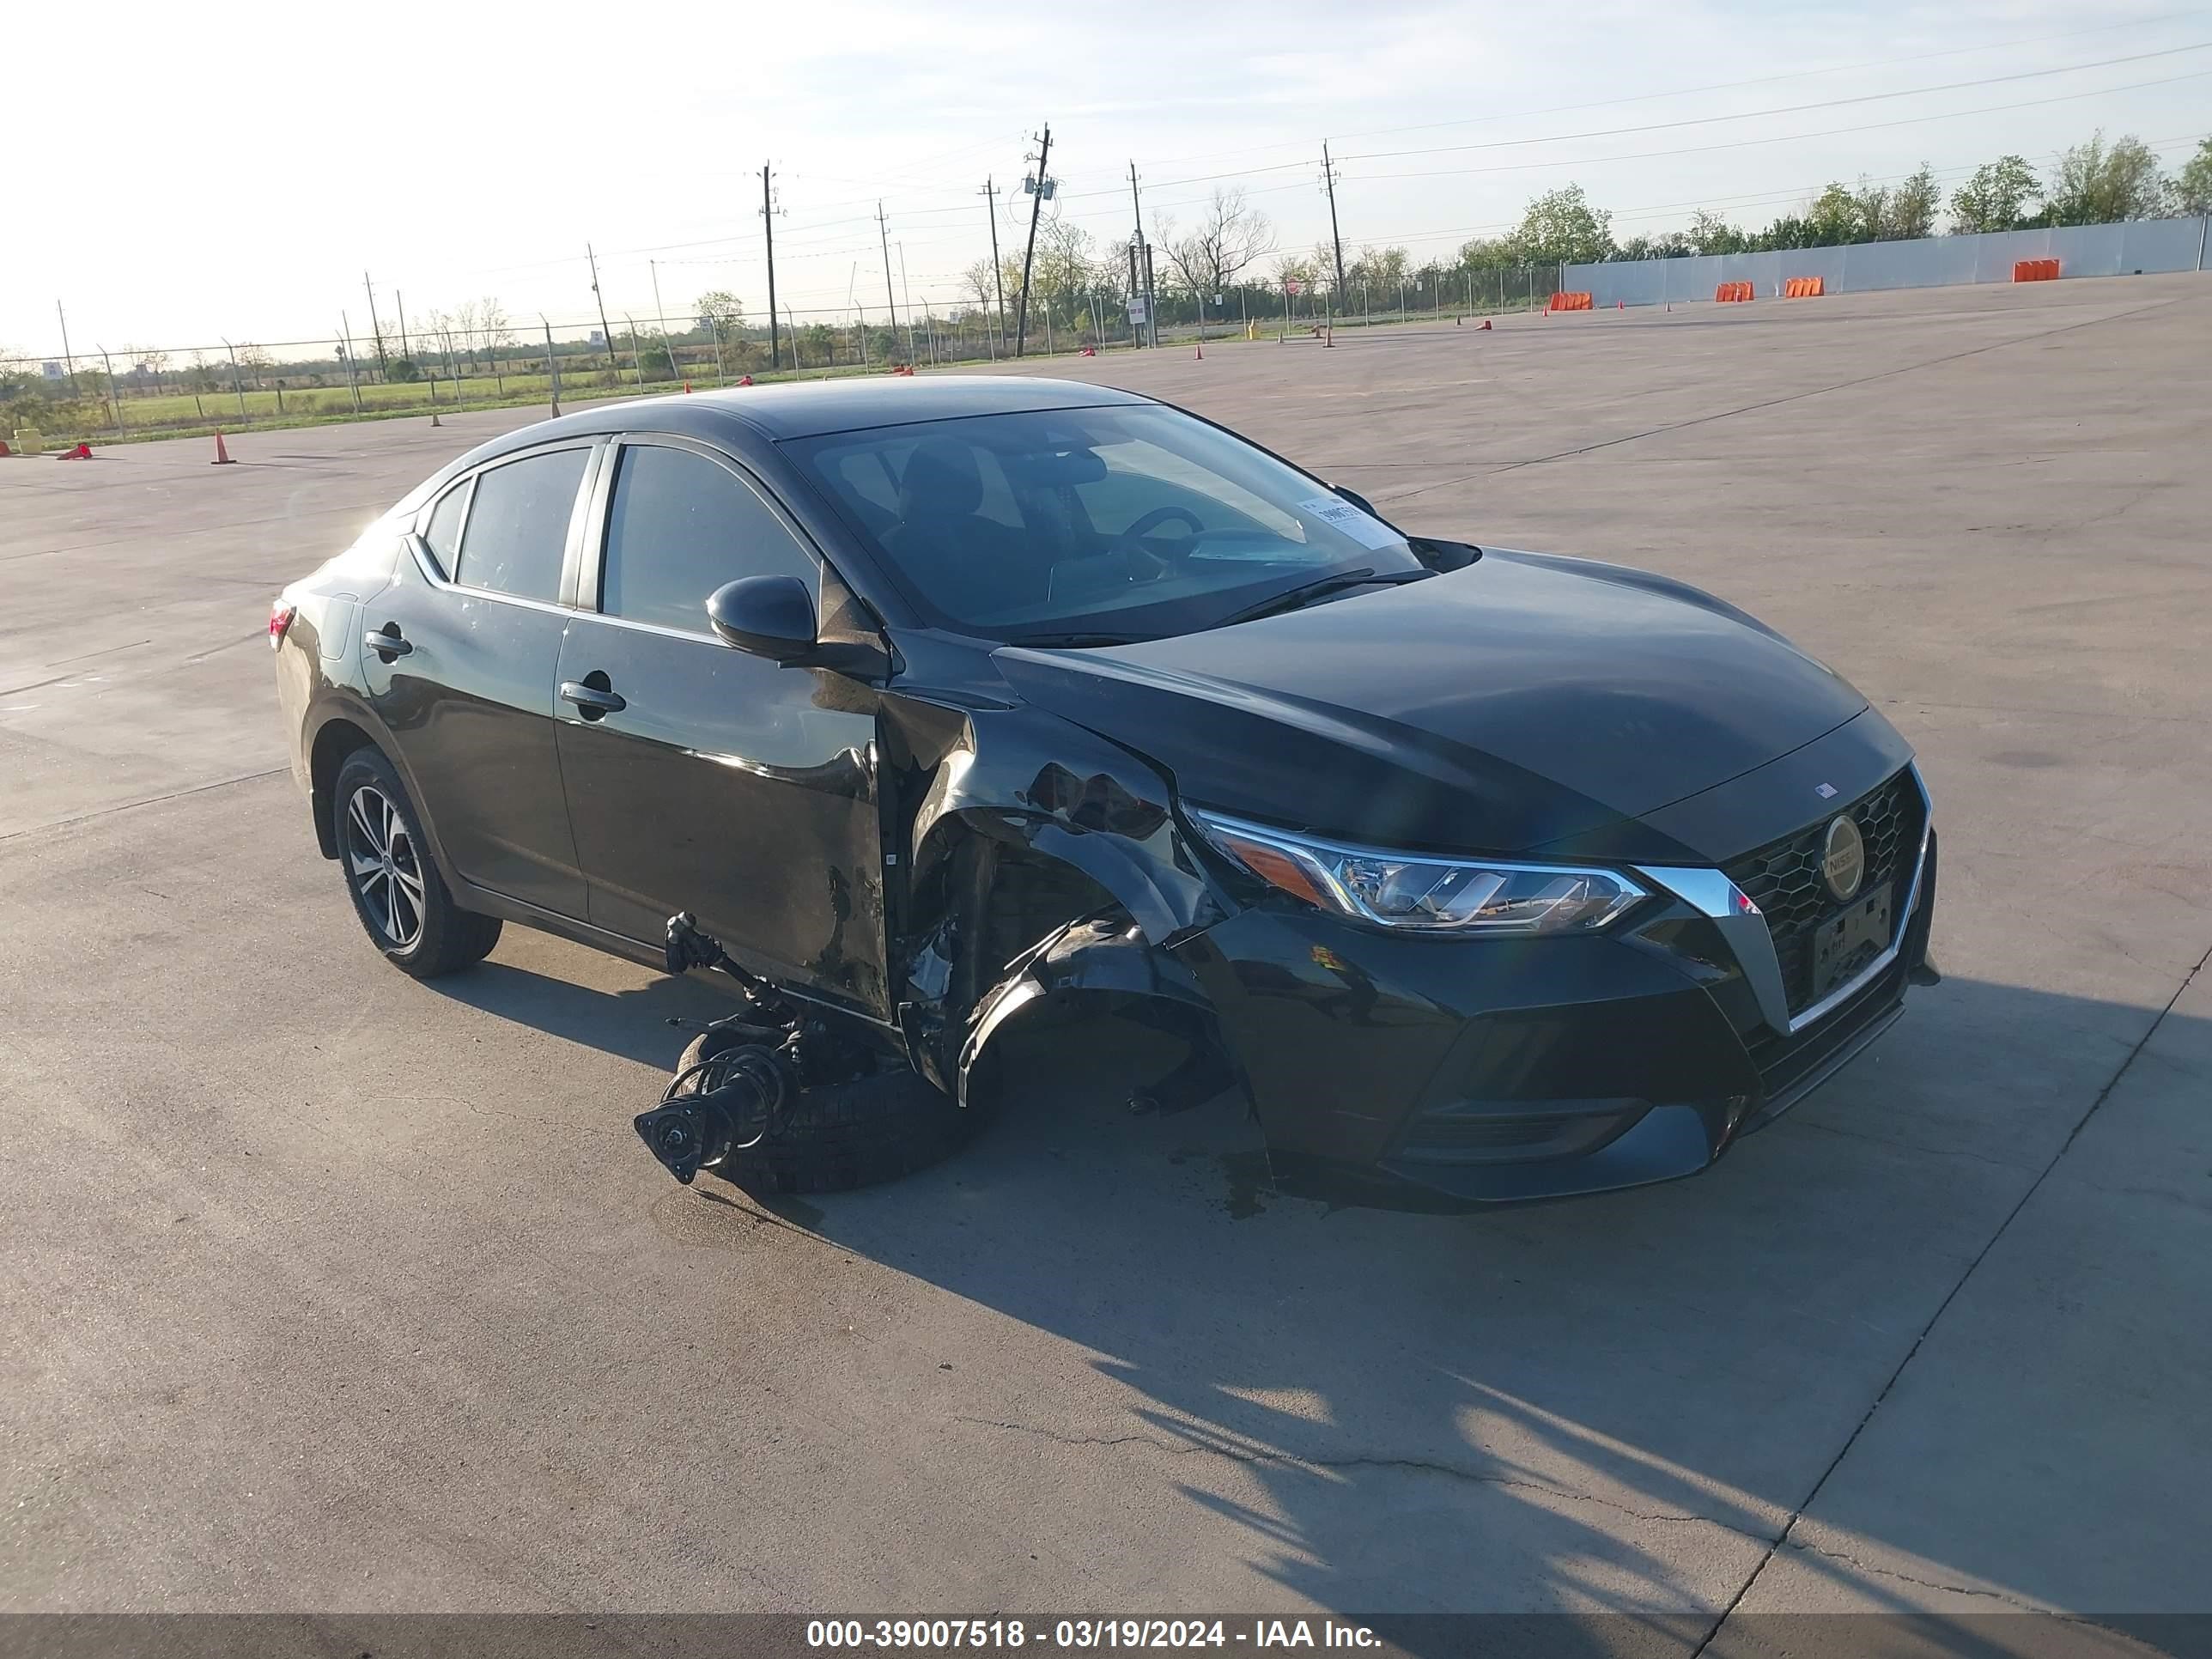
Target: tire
(396, 891)
(849, 1135)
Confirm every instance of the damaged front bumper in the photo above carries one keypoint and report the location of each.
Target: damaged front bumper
(1499, 1071)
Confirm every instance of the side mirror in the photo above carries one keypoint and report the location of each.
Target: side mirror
(770, 617)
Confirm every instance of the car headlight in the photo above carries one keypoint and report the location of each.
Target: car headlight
(1422, 894)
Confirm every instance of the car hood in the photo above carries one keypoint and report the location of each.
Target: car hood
(1523, 701)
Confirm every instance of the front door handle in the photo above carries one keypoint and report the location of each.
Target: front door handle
(593, 701)
(386, 642)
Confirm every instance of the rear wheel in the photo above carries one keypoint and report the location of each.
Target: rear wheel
(396, 891)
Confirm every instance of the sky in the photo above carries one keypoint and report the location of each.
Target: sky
(182, 174)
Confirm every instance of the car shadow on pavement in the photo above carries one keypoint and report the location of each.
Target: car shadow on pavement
(631, 1021)
(1610, 1404)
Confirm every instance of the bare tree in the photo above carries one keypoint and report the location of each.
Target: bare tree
(979, 280)
(1232, 235)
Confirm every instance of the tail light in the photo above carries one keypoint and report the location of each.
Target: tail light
(280, 618)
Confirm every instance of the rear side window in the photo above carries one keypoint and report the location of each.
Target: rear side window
(518, 524)
(444, 533)
(682, 526)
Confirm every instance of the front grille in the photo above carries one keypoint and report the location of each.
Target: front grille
(1783, 878)
(1785, 1062)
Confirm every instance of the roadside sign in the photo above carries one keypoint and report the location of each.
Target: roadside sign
(1290, 285)
(1137, 310)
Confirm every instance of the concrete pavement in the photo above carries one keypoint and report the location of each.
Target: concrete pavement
(328, 1290)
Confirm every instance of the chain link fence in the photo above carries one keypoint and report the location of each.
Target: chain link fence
(107, 394)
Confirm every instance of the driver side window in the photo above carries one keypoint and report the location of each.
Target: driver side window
(680, 526)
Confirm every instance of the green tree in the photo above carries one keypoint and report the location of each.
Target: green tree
(1835, 217)
(2100, 185)
(2192, 185)
(1711, 233)
(721, 314)
(1561, 227)
(1909, 210)
(1488, 253)
(402, 369)
(1791, 230)
(1379, 271)
(1995, 198)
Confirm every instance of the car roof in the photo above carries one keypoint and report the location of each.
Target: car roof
(809, 409)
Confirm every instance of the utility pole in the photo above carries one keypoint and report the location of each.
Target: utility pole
(552, 369)
(376, 328)
(998, 277)
(606, 334)
(768, 224)
(1136, 334)
(666, 349)
(115, 397)
(66, 357)
(1151, 301)
(907, 289)
(1137, 241)
(352, 379)
(400, 300)
(1335, 240)
(883, 234)
(1029, 257)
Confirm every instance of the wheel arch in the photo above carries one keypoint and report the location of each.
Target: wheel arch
(343, 727)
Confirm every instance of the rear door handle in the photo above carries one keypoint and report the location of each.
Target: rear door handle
(592, 703)
(387, 645)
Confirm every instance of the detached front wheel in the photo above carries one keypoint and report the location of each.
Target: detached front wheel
(838, 1136)
(398, 893)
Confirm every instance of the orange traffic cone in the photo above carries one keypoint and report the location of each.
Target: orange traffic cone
(222, 452)
(1202, 352)
(76, 452)
(1621, 305)
(687, 388)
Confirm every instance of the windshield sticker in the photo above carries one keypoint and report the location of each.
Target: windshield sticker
(1341, 514)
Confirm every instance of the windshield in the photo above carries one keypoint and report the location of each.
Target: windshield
(1132, 522)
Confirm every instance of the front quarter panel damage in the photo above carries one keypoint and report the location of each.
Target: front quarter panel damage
(1041, 863)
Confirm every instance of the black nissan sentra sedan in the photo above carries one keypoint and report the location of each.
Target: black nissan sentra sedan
(939, 701)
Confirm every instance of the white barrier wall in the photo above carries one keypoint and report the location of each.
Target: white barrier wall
(2132, 249)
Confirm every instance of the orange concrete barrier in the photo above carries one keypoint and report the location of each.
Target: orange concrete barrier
(1570, 302)
(1804, 287)
(1732, 294)
(2035, 271)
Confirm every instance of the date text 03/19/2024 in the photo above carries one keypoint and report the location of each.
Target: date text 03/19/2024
(951, 1634)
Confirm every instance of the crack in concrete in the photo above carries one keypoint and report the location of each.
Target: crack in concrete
(149, 800)
(2134, 1054)
(1851, 1560)
(1271, 1458)
(1913, 1147)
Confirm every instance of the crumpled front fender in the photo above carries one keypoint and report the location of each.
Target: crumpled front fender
(1098, 953)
